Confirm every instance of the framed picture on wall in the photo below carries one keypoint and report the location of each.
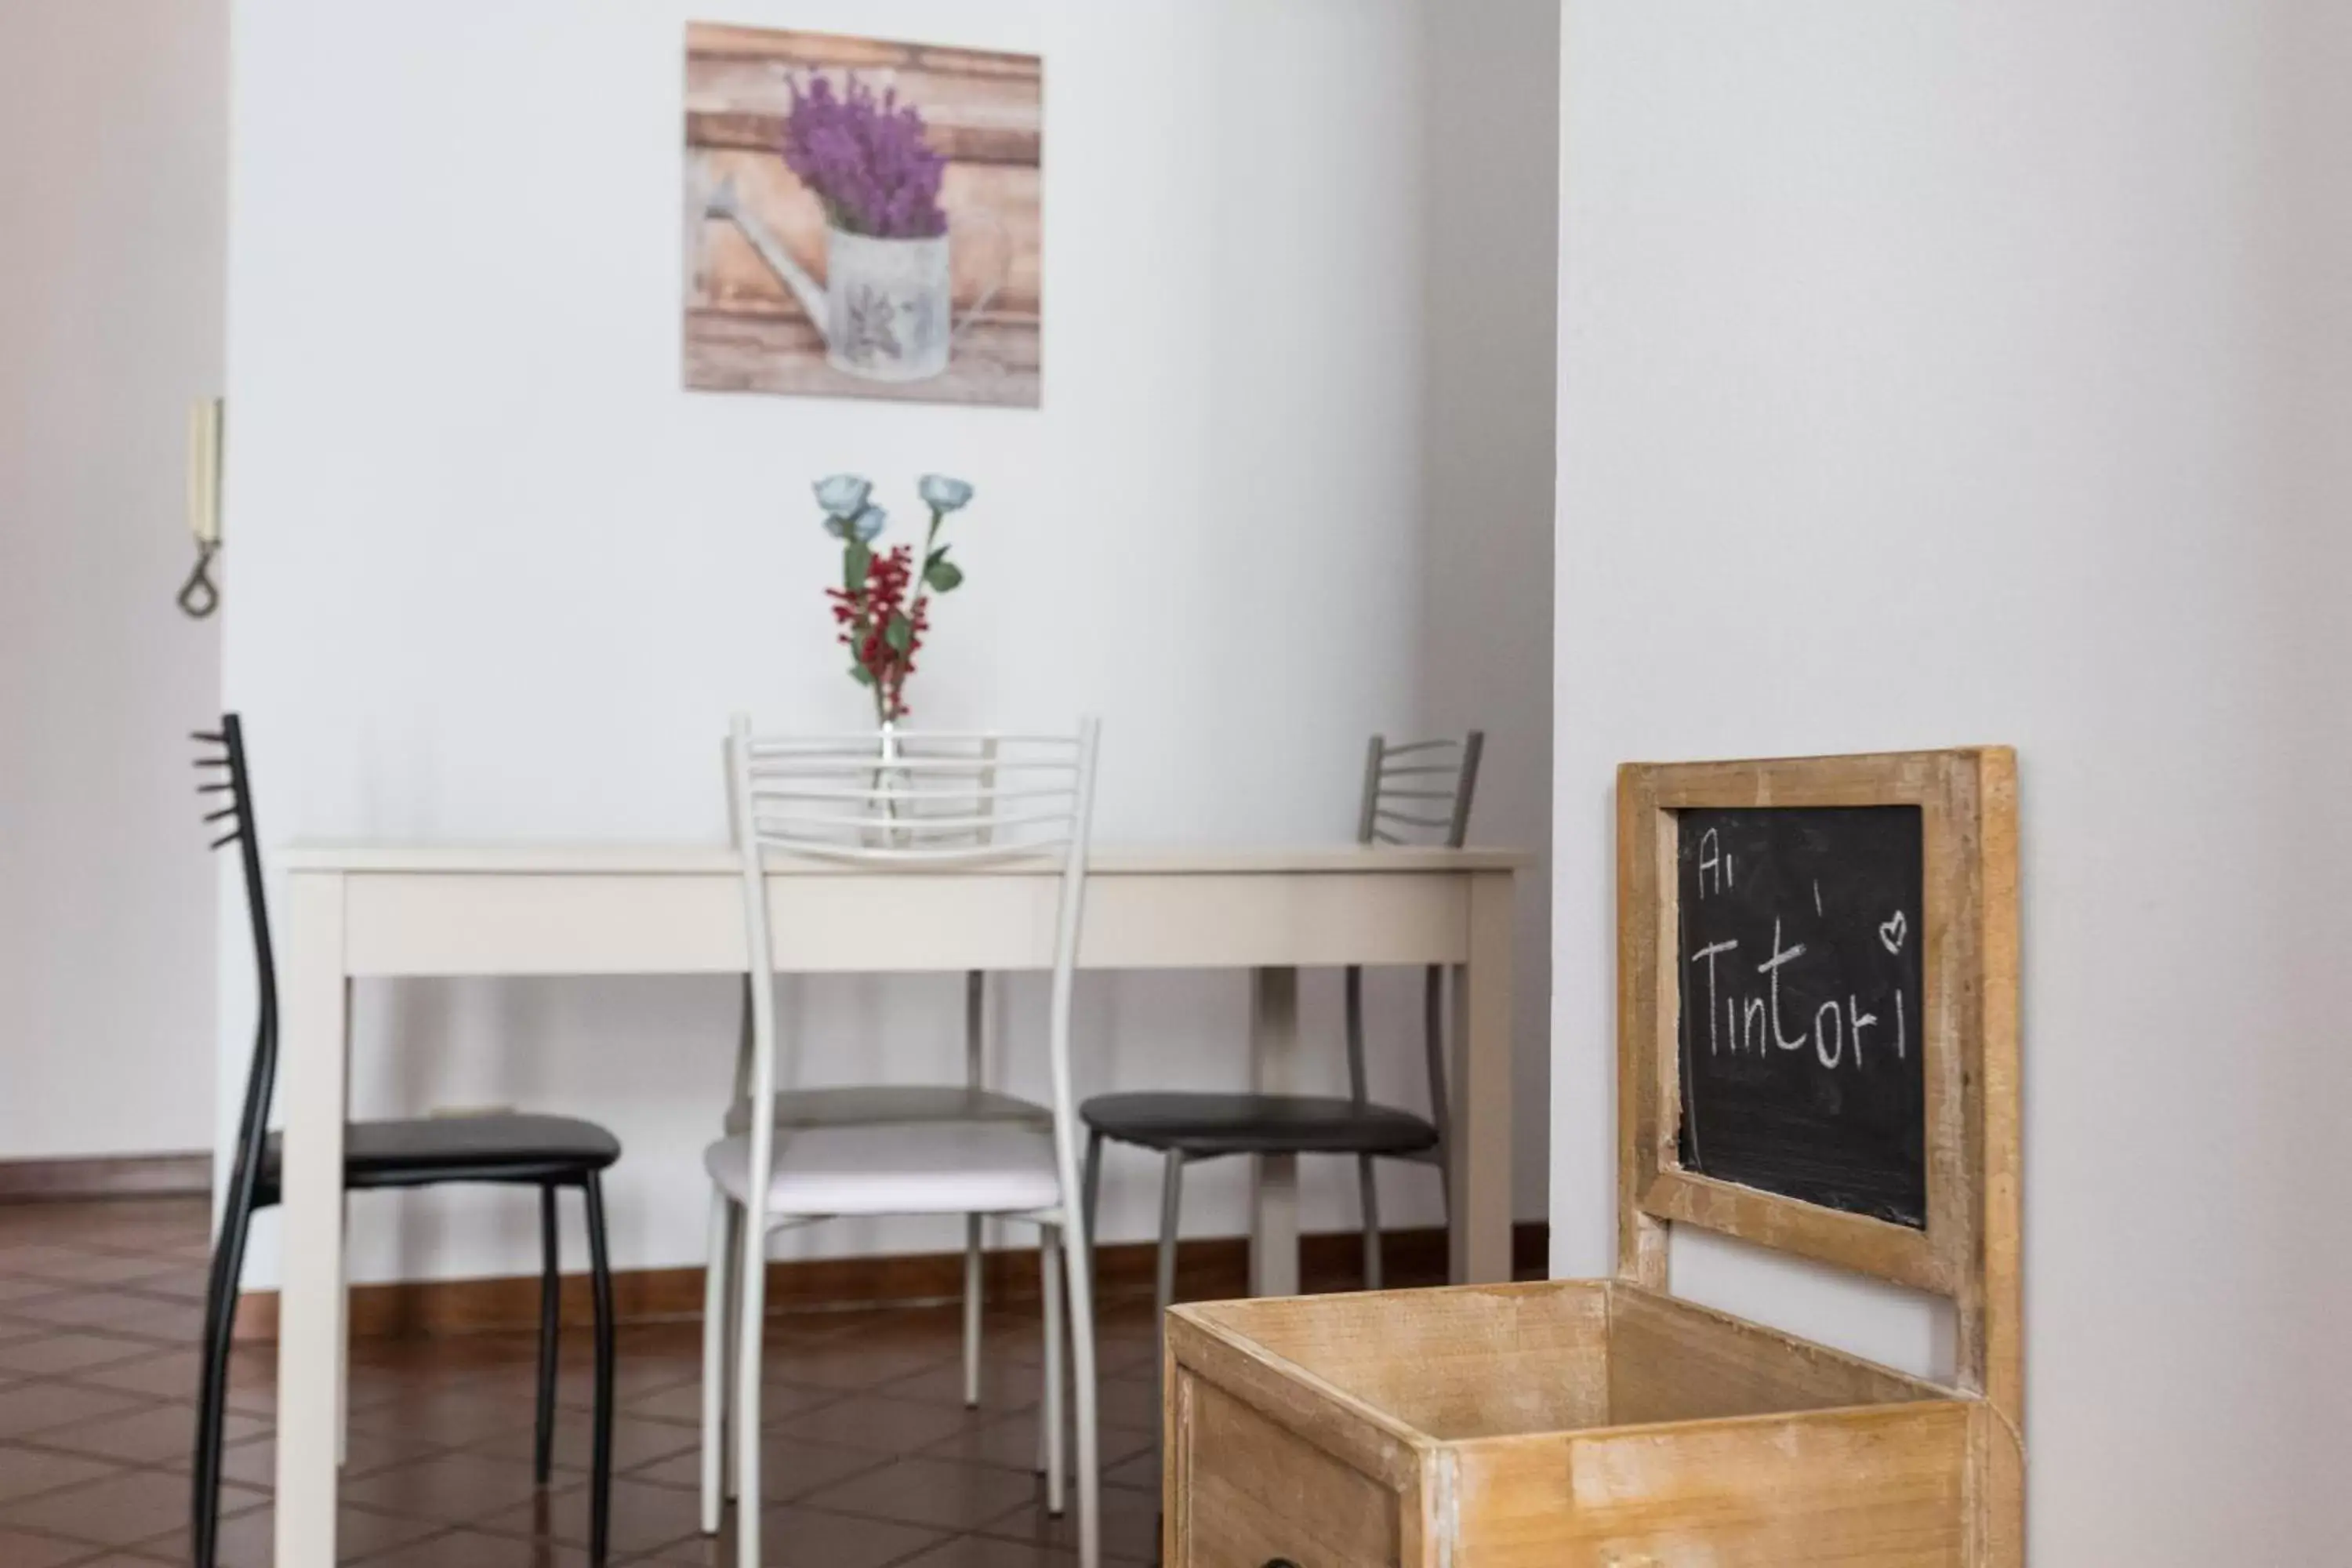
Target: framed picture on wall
(862, 217)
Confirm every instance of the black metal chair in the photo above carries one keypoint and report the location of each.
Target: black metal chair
(543, 1151)
(1415, 792)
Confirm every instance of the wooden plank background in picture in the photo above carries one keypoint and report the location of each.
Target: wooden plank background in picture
(1817, 1054)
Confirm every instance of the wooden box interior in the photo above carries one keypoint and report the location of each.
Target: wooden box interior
(1500, 1360)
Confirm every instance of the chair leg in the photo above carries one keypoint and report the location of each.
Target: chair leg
(343, 1349)
(1368, 1184)
(1091, 1185)
(1077, 1275)
(1432, 1024)
(212, 1389)
(717, 1280)
(752, 1299)
(551, 1329)
(1051, 1462)
(1163, 1283)
(1171, 1203)
(600, 1472)
(732, 1346)
(972, 1290)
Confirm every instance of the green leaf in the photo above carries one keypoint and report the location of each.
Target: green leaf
(943, 574)
(863, 676)
(856, 560)
(899, 634)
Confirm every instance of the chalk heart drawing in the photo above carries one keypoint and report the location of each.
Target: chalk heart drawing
(1893, 931)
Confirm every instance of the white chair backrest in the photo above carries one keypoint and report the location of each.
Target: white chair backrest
(913, 797)
(916, 801)
(1420, 791)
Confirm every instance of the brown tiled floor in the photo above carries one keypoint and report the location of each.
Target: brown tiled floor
(872, 1461)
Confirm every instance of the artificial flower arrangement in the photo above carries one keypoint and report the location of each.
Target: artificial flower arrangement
(880, 609)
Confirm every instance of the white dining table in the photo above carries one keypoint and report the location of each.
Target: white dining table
(359, 911)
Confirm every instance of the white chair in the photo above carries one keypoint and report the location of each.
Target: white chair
(902, 1104)
(916, 802)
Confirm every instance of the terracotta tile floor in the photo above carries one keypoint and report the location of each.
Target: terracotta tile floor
(871, 1459)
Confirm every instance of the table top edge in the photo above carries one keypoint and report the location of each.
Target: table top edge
(420, 858)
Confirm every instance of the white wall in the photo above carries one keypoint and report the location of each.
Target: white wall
(1946, 373)
(2310, 565)
(1490, 144)
(113, 128)
(497, 575)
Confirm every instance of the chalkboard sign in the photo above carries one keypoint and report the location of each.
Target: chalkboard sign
(1817, 1040)
(1801, 1050)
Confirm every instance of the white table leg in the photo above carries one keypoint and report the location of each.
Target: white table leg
(312, 1068)
(1274, 1178)
(1482, 1094)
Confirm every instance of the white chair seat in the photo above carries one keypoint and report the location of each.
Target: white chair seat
(897, 1102)
(906, 1167)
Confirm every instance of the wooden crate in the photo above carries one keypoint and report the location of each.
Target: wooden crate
(1607, 1424)
(1561, 1423)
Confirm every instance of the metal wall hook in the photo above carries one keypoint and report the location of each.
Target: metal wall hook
(199, 596)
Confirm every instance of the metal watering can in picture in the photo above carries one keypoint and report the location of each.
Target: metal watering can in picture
(884, 306)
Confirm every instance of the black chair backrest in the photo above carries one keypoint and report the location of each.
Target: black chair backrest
(220, 762)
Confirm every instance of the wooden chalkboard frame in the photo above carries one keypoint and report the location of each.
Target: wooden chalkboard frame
(1969, 1248)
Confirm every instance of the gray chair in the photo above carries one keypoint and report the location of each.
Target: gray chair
(1418, 793)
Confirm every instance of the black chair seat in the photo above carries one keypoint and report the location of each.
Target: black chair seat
(1211, 1125)
(431, 1150)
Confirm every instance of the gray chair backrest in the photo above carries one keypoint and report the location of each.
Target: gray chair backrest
(1419, 792)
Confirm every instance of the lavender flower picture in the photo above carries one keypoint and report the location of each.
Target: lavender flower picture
(862, 218)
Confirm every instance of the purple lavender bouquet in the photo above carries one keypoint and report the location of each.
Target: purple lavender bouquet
(868, 159)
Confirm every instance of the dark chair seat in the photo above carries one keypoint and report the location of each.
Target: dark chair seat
(432, 1150)
(1205, 1125)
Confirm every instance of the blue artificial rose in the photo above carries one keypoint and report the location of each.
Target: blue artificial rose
(941, 493)
(868, 523)
(843, 496)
